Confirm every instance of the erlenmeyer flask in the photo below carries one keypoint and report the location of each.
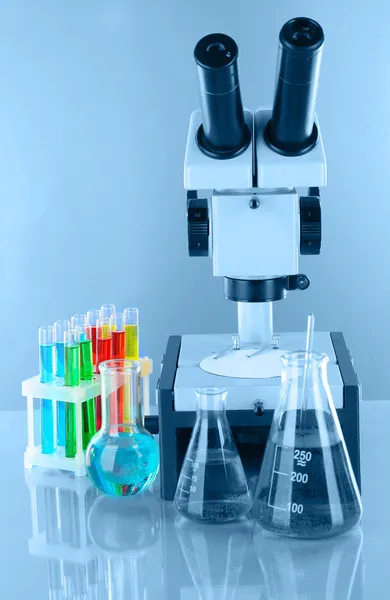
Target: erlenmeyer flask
(212, 485)
(122, 458)
(306, 486)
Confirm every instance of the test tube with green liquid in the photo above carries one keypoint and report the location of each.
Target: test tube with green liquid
(131, 346)
(59, 328)
(86, 374)
(72, 378)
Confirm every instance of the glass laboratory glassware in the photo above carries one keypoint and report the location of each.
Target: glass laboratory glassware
(86, 374)
(103, 353)
(59, 328)
(306, 487)
(92, 317)
(212, 486)
(107, 310)
(78, 319)
(72, 379)
(47, 375)
(122, 459)
(132, 333)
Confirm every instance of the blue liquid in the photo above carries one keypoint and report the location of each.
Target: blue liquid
(60, 351)
(60, 372)
(123, 464)
(46, 356)
(46, 362)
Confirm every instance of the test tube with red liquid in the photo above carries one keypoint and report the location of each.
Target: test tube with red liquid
(118, 351)
(103, 352)
(92, 317)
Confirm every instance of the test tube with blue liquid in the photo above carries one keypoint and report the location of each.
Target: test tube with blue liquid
(47, 375)
(59, 330)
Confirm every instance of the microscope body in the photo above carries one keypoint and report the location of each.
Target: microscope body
(242, 174)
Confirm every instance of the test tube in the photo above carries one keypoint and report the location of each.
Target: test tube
(131, 346)
(92, 317)
(118, 351)
(107, 310)
(132, 335)
(78, 319)
(59, 330)
(86, 374)
(47, 375)
(103, 352)
(72, 378)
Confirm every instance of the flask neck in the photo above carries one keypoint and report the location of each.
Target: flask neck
(211, 402)
(304, 381)
(121, 398)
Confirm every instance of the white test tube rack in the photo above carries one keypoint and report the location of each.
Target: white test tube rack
(56, 391)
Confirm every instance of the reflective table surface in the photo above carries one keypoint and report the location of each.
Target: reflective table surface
(61, 540)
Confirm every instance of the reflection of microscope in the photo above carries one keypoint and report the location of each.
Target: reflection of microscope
(253, 224)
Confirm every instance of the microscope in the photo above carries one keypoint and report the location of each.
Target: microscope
(242, 172)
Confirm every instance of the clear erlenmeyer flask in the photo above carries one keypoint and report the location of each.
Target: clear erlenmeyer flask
(212, 485)
(306, 486)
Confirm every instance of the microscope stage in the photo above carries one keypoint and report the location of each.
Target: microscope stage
(243, 392)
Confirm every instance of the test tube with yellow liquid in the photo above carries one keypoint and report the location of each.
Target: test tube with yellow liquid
(131, 344)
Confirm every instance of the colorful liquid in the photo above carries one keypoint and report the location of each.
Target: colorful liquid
(46, 363)
(70, 425)
(60, 372)
(88, 407)
(72, 364)
(104, 350)
(118, 344)
(47, 427)
(131, 342)
(117, 407)
(72, 378)
(86, 364)
(89, 421)
(47, 360)
(61, 420)
(60, 353)
(93, 336)
(123, 464)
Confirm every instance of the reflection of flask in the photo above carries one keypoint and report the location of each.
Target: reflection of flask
(124, 530)
(214, 555)
(328, 569)
(212, 485)
(306, 486)
(122, 458)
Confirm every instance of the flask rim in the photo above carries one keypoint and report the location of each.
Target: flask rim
(298, 358)
(120, 365)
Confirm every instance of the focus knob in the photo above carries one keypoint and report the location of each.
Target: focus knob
(198, 227)
(310, 213)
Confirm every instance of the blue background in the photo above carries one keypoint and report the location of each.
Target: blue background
(95, 100)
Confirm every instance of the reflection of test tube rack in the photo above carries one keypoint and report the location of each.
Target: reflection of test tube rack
(56, 391)
(59, 509)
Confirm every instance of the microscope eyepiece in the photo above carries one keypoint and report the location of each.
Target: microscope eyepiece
(223, 133)
(291, 130)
